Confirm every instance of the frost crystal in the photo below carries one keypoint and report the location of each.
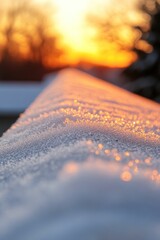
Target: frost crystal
(82, 163)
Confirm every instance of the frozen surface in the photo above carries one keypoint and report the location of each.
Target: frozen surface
(15, 97)
(83, 162)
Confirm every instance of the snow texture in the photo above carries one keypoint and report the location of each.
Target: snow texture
(83, 162)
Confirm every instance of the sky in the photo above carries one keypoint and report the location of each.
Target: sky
(78, 35)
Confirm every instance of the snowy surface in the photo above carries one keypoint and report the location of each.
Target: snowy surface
(83, 162)
(15, 97)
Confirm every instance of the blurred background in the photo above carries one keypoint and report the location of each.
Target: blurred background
(117, 41)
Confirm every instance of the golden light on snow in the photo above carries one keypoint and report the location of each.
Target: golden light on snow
(83, 147)
(126, 176)
(71, 168)
(90, 106)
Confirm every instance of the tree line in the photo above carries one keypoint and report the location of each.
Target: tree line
(28, 40)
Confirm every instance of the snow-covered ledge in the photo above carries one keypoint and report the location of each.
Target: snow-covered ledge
(83, 162)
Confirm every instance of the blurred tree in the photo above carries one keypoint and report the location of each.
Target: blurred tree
(112, 33)
(144, 73)
(28, 40)
(109, 32)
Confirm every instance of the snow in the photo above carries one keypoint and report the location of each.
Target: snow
(15, 97)
(82, 163)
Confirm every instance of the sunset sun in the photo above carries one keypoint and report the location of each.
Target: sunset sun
(79, 35)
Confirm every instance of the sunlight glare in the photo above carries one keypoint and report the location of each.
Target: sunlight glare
(71, 21)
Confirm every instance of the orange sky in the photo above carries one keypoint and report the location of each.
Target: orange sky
(71, 21)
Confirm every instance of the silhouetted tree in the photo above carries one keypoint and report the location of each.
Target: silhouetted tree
(112, 25)
(144, 73)
(28, 40)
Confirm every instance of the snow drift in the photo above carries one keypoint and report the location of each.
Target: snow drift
(83, 162)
